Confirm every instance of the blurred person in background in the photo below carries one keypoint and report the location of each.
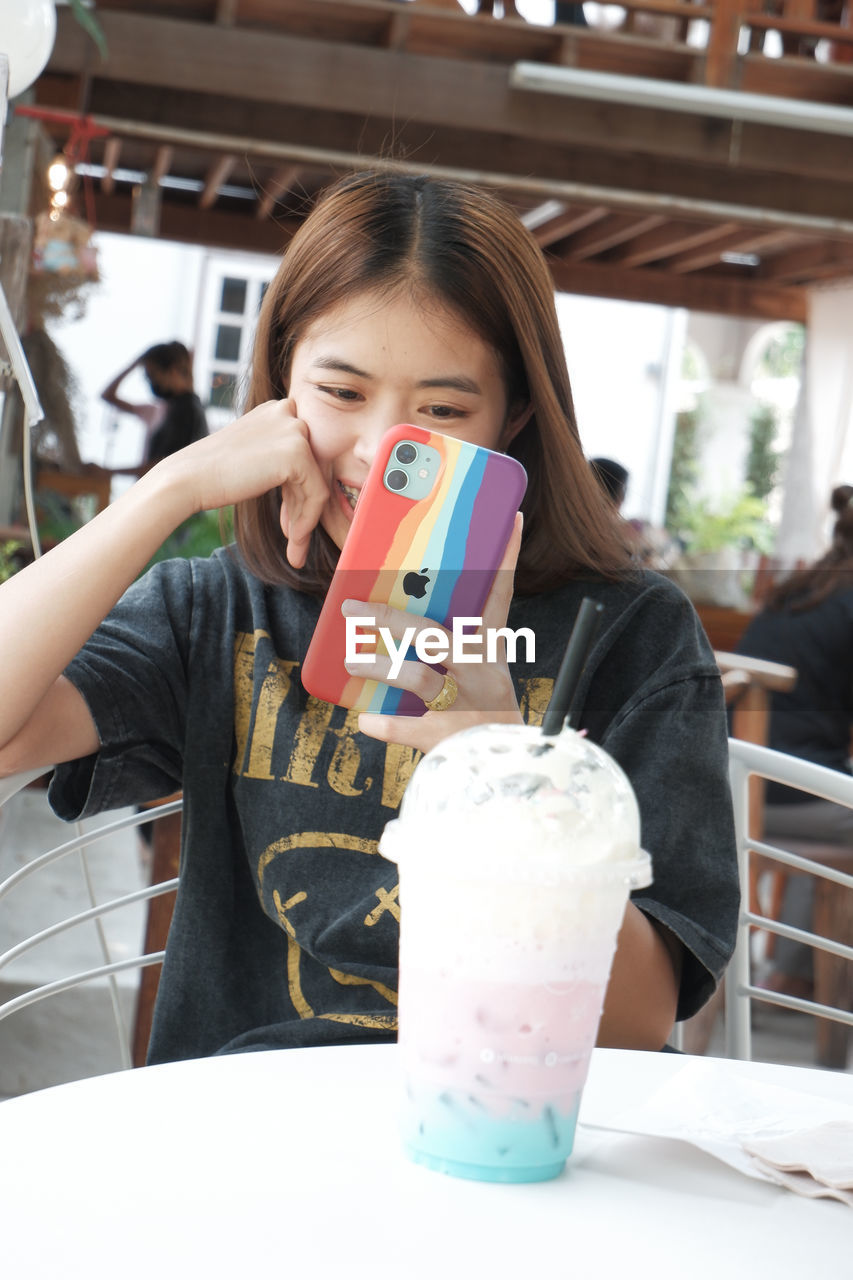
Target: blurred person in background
(807, 623)
(612, 477)
(651, 546)
(176, 418)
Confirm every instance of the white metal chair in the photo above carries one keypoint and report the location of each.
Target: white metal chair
(79, 843)
(748, 759)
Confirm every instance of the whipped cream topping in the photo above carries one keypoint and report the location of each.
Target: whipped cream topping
(515, 801)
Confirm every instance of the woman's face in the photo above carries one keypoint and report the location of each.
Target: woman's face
(373, 362)
(164, 383)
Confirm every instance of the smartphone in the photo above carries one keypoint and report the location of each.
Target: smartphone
(430, 528)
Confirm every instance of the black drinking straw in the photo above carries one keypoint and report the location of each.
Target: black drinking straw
(577, 650)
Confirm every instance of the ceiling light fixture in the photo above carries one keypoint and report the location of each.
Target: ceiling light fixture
(667, 95)
(740, 259)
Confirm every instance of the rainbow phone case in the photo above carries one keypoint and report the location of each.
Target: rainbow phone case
(447, 544)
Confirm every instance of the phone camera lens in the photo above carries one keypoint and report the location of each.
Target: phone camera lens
(396, 480)
(405, 453)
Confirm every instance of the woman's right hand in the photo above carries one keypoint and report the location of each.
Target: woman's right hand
(268, 448)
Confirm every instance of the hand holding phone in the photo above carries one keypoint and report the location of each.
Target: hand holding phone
(430, 528)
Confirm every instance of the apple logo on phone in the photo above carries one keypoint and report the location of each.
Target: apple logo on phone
(415, 584)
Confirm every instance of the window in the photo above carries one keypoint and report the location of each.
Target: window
(233, 287)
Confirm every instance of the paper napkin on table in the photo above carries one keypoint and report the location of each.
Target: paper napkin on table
(815, 1162)
(797, 1140)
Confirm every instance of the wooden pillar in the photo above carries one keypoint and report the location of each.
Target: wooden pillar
(721, 55)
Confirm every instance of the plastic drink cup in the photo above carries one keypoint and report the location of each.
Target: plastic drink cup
(516, 855)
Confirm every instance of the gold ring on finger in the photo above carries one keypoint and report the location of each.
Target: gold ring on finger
(446, 695)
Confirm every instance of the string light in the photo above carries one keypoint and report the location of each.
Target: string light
(58, 173)
(63, 169)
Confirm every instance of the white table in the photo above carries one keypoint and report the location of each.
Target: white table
(287, 1164)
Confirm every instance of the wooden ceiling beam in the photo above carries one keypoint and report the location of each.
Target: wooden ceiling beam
(684, 186)
(474, 152)
(226, 12)
(613, 230)
(799, 26)
(240, 230)
(566, 224)
(112, 152)
(216, 177)
(275, 187)
(759, 300)
(670, 8)
(397, 31)
(321, 75)
(186, 223)
(808, 262)
(801, 78)
(838, 272)
(666, 241)
(742, 240)
(162, 163)
(341, 81)
(453, 5)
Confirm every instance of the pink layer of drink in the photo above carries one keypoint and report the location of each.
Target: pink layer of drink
(500, 1041)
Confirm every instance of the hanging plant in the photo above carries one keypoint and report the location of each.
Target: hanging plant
(90, 24)
(54, 439)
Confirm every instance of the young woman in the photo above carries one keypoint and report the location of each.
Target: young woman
(177, 419)
(400, 300)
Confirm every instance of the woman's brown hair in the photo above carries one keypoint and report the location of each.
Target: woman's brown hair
(464, 248)
(806, 588)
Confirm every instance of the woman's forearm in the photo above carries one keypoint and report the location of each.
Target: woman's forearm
(110, 392)
(49, 609)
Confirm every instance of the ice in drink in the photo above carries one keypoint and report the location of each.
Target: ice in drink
(516, 853)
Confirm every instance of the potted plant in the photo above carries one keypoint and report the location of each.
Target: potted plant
(722, 546)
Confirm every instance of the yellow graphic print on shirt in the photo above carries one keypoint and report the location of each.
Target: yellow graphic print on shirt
(387, 902)
(275, 746)
(256, 719)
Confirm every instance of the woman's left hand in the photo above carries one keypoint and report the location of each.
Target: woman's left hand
(485, 692)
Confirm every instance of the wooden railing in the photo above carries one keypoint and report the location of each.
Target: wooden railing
(735, 35)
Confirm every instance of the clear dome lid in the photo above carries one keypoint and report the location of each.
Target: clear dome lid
(513, 796)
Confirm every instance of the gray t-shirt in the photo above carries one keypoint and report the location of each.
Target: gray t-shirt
(286, 926)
